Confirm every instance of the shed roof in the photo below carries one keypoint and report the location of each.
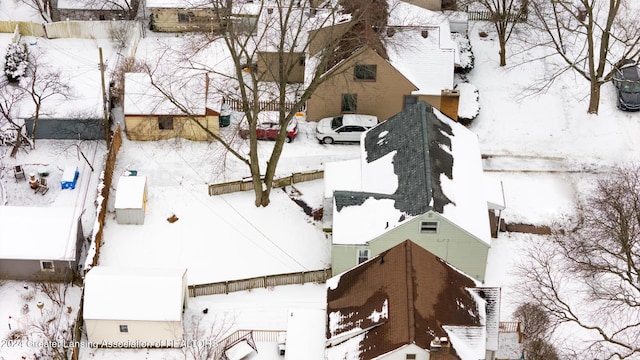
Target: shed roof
(417, 161)
(94, 5)
(130, 192)
(143, 294)
(46, 233)
(404, 295)
(188, 90)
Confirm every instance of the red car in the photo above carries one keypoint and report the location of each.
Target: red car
(269, 131)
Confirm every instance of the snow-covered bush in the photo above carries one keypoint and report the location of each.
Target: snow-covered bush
(466, 53)
(469, 105)
(16, 61)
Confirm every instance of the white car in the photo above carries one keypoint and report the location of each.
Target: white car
(344, 128)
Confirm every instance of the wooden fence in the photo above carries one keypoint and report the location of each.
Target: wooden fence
(486, 15)
(225, 287)
(247, 184)
(116, 142)
(236, 105)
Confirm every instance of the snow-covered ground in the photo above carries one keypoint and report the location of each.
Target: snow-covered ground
(545, 148)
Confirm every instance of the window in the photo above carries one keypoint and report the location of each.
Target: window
(124, 328)
(182, 17)
(409, 100)
(47, 266)
(365, 72)
(349, 102)
(363, 255)
(411, 356)
(165, 122)
(429, 227)
(301, 60)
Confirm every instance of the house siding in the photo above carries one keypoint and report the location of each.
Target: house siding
(167, 20)
(140, 333)
(30, 269)
(401, 353)
(434, 5)
(452, 244)
(145, 128)
(19, 269)
(382, 97)
(67, 129)
(268, 66)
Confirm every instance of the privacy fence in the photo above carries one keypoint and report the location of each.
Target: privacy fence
(486, 15)
(246, 184)
(225, 287)
(236, 105)
(74, 29)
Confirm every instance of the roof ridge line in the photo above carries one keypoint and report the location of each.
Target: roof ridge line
(411, 320)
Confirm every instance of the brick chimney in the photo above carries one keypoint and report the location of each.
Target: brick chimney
(449, 100)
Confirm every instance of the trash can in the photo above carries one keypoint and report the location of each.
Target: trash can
(225, 115)
(225, 120)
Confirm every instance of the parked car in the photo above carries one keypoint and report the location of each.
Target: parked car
(268, 130)
(627, 82)
(344, 128)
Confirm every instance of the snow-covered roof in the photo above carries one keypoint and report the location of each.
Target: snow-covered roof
(402, 13)
(130, 192)
(77, 61)
(45, 233)
(144, 294)
(297, 25)
(342, 175)
(90, 5)
(468, 341)
(417, 161)
(428, 62)
(370, 307)
(181, 4)
(302, 340)
(142, 98)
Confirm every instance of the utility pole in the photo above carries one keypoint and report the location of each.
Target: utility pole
(105, 109)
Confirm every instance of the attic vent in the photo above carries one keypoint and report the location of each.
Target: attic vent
(429, 227)
(391, 32)
(425, 33)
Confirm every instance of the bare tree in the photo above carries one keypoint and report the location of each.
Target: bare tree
(504, 15)
(202, 338)
(589, 36)
(128, 8)
(535, 322)
(587, 278)
(12, 131)
(267, 53)
(43, 7)
(41, 83)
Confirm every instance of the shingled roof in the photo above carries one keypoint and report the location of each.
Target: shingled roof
(419, 139)
(417, 161)
(405, 295)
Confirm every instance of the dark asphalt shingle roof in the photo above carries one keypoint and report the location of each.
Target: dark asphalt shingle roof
(422, 145)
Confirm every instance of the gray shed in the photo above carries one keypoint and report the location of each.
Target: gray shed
(131, 199)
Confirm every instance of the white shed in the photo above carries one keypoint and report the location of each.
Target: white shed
(135, 307)
(131, 199)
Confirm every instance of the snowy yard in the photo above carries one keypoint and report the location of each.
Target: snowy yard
(545, 148)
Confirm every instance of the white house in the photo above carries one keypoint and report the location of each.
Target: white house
(135, 307)
(131, 199)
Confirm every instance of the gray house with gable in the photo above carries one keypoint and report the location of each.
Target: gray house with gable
(419, 177)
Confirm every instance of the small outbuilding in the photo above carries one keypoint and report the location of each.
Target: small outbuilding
(131, 199)
(135, 307)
